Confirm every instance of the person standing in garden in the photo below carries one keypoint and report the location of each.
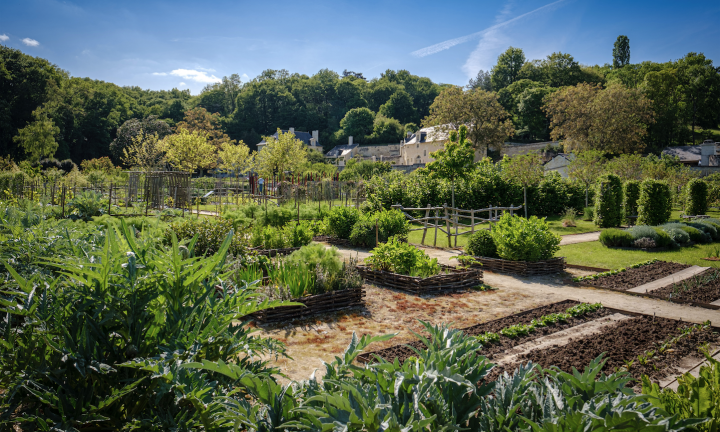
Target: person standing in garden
(261, 183)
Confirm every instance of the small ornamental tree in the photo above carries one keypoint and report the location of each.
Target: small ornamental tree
(527, 170)
(454, 160)
(696, 194)
(631, 194)
(608, 201)
(655, 203)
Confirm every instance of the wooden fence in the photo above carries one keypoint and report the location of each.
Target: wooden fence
(452, 219)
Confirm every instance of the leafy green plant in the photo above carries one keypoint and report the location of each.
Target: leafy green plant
(696, 196)
(488, 338)
(588, 213)
(608, 201)
(654, 203)
(569, 217)
(696, 397)
(521, 239)
(298, 233)
(400, 257)
(340, 221)
(291, 281)
(517, 330)
(481, 244)
(317, 255)
(87, 204)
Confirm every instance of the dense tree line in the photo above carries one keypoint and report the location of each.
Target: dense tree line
(684, 94)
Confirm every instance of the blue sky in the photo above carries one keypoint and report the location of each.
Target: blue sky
(183, 44)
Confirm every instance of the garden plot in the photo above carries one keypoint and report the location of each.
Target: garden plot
(703, 288)
(634, 276)
(643, 345)
(503, 342)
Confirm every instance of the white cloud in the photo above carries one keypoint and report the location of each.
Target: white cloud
(30, 42)
(245, 77)
(206, 70)
(182, 84)
(195, 75)
(159, 73)
(442, 46)
(4, 37)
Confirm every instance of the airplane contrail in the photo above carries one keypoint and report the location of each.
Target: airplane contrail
(442, 46)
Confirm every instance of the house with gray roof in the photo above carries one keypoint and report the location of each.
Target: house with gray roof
(311, 140)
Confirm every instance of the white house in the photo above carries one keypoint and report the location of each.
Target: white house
(311, 140)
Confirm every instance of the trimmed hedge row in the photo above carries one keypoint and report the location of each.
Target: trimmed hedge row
(668, 235)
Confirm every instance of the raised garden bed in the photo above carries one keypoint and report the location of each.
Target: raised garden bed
(701, 289)
(332, 301)
(450, 279)
(634, 277)
(633, 344)
(402, 352)
(275, 252)
(523, 268)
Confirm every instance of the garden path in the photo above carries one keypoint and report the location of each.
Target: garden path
(579, 238)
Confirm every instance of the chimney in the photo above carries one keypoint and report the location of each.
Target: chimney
(409, 134)
(350, 140)
(316, 136)
(292, 130)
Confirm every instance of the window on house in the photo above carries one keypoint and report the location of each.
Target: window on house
(417, 145)
(424, 152)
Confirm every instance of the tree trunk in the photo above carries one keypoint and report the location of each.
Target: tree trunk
(587, 187)
(453, 194)
(525, 200)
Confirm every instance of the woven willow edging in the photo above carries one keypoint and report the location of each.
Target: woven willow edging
(316, 304)
(451, 280)
(522, 268)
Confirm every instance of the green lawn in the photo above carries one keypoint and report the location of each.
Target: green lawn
(594, 254)
(555, 223)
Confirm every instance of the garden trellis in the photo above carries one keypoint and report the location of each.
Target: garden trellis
(450, 217)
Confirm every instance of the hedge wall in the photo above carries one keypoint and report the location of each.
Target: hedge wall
(696, 194)
(608, 201)
(655, 203)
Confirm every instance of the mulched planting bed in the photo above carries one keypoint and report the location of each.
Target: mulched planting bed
(402, 352)
(621, 342)
(522, 268)
(635, 277)
(702, 288)
(451, 278)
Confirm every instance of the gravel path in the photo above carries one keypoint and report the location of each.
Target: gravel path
(579, 238)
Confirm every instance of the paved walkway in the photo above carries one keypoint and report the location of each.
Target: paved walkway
(579, 238)
(669, 280)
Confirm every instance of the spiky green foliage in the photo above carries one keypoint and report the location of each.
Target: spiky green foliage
(102, 345)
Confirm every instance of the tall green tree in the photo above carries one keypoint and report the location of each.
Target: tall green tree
(526, 170)
(508, 66)
(399, 107)
(621, 52)
(358, 123)
(38, 138)
(454, 160)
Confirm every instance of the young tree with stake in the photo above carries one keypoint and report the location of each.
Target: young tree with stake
(455, 160)
(526, 170)
(586, 167)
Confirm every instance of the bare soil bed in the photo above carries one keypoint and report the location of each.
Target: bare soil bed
(402, 352)
(635, 277)
(703, 288)
(624, 342)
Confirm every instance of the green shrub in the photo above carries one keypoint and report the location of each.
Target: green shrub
(88, 204)
(631, 194)
(616, 237)
(521, 239)
(677, 235)
(588, 213)
(210, 235)
(664, 239)
(299, 234)
(315, 255)
(705, 227)
(640, 231)
(481, 244)
(696, 195)
(608, 201)
(655, 202)
(275, 216)
(403, 258)
(340, 221)
(390, 223)
(695, 234)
